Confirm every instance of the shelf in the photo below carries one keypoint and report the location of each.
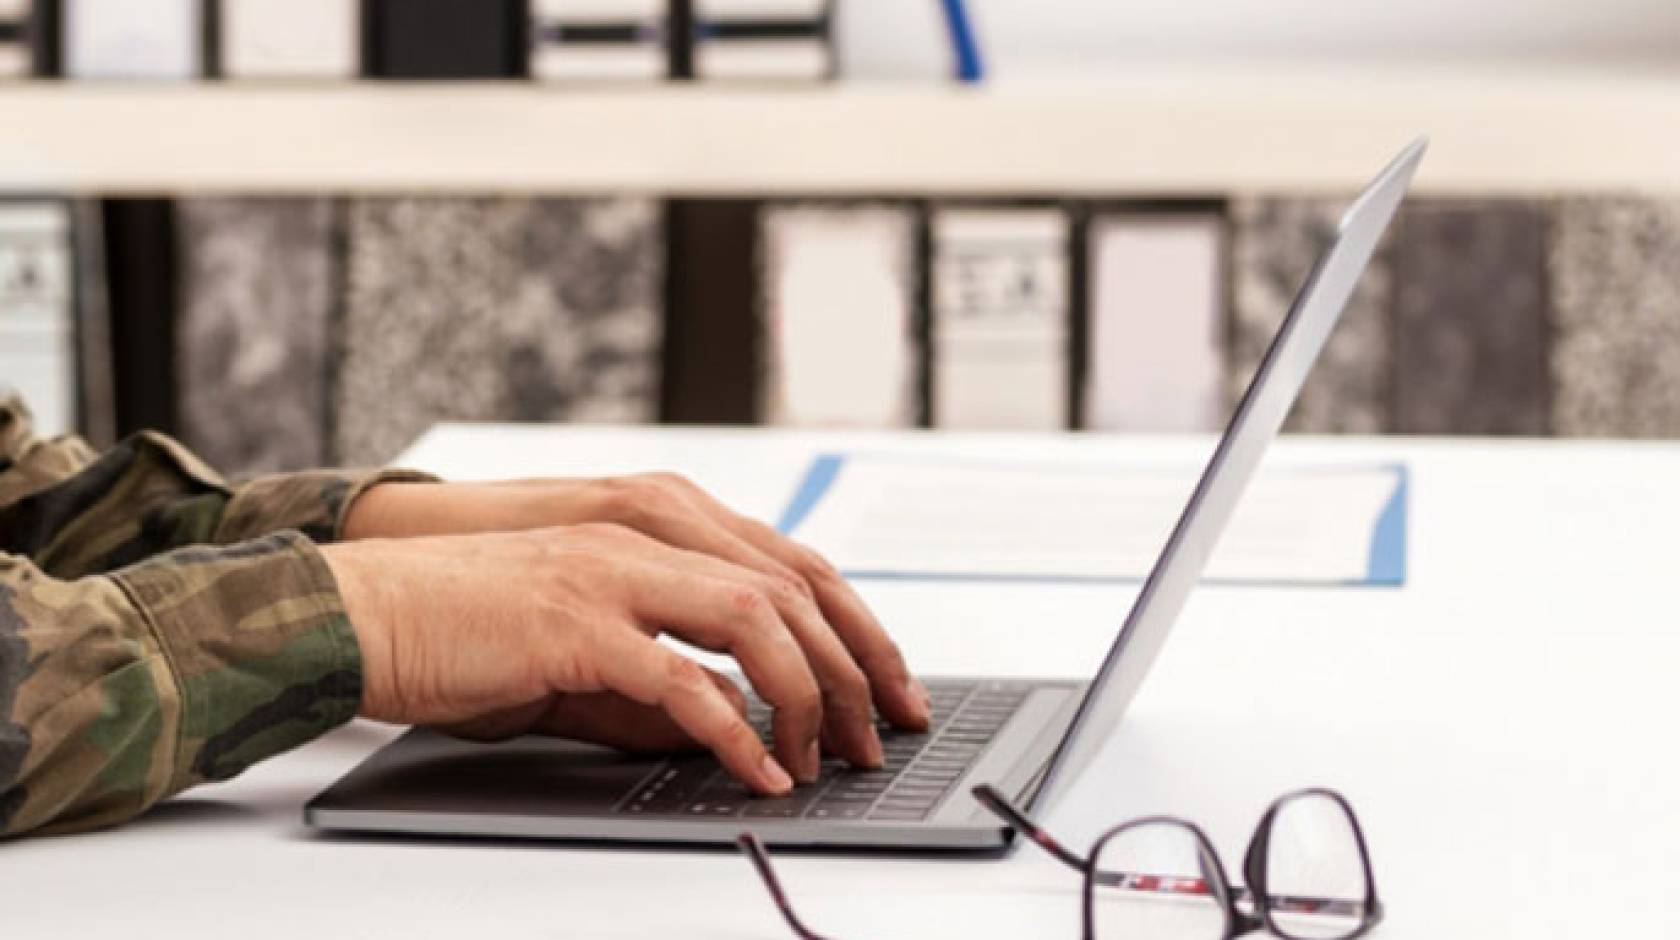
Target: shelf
(1205, 132)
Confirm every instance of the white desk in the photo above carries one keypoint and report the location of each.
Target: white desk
(1504, 724)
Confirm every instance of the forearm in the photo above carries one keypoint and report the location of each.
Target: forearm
(117, 691)
(76, 513)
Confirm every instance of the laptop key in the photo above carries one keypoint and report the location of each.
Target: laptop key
(784, 808)
(838, 811)
(898, 815)
(712, 809)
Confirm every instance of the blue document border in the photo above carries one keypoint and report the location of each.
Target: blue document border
(1386, 566)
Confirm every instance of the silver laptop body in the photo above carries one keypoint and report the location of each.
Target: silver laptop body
(1028, 738)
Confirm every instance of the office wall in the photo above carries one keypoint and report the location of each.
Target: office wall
(898, 38)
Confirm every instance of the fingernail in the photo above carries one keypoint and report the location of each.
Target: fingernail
(872, 746)
(774, 777)
(919, 694)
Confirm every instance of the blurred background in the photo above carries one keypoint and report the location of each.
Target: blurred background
(300, 232)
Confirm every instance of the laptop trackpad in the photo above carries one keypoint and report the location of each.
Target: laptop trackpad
(431, 772)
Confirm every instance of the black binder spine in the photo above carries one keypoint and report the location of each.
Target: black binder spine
(446, 39)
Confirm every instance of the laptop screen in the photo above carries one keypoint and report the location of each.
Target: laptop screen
(1258, 418)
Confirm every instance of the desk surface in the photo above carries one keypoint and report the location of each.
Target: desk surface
(1498, 723)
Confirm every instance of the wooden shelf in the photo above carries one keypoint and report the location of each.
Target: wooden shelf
(1206, 132)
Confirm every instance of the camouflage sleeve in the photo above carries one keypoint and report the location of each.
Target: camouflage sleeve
(119, 690)
(74, 512)
(159, 627)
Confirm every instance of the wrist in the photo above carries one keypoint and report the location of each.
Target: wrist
(383, 510)
(358, 589)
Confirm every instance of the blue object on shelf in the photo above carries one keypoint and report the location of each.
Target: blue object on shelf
(970, 68)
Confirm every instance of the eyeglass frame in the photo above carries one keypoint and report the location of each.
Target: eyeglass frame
(1216, 881)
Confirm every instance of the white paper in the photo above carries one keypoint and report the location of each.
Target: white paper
(1156, 355)
(838, 311)
(291, 38)
(36, 355)
(763, 59)
(637, 62)
(16, 60)
(759, 9)
(597, 11)
(1000, 321)
(133, 39)
(885, 516)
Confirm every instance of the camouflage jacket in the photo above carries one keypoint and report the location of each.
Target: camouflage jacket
(159, 627)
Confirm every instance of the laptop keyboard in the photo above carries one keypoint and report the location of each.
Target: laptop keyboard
(919, 770)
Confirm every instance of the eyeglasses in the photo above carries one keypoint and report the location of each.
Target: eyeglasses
(1159, 878)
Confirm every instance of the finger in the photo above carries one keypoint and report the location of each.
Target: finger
(641, 669)
(659, 506)
(847, 716)
(901, 699)
(728, 616)
(612, 720)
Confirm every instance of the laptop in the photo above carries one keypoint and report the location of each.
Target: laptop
(1028, 738)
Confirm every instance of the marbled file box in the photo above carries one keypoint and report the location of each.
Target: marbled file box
(1275, 242)
(297, 39)
(259, 285)
(1156, 347)
(999, 333)
(1470, 318)
(1615, 290)
(839, 295)
(37, 346)
(446, 39)
(763, 39)
(599, 40)
(133, 39)
(496, 309)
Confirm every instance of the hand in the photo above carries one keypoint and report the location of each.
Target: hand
(853, 659)
(552, 631)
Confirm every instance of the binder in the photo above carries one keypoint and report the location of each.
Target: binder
(599, 39)
(289, 38)
(1275, 241)
(17, 52)
(507, 309)
(259, 288)
(999, 333)
(1155, 356)
(839, 292)
(713, 344)
(1615, 287)
(133, 39)
(96, 392)
(37, 346)
(446, 39)
(142, 293)
(1470, 323)
(763, 39)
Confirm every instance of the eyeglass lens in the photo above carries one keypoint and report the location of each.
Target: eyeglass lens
(1154, 879)
(1315, 870)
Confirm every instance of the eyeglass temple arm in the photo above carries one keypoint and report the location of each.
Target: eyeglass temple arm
(1000, 805)
(760, 858)
(1150, 883)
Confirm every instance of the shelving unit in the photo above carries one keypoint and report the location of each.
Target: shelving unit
(1230, 129)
